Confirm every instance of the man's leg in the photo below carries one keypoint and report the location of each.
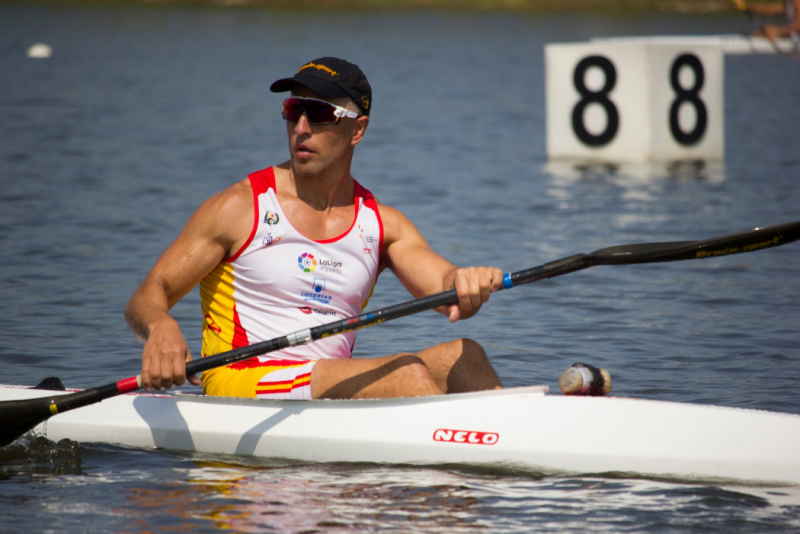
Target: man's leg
(453, 367)
(460, 366)
(402, 375)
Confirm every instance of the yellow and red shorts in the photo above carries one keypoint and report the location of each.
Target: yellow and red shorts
(261, 378)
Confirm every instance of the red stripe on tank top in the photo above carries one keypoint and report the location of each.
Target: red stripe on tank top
(371, 203)
(260, 182)
(239, 333)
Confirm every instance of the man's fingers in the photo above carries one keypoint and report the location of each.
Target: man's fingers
(147, 383)
(179, 370)
(453, 313)
(465, 289)
(155, 373)
(474, 286)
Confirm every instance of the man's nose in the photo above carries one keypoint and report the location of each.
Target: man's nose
(303, 126)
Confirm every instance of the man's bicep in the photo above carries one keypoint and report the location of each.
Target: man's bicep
(204, 243)
(185, 262)
(408, 255)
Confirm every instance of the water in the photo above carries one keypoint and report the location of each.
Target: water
(142, 113)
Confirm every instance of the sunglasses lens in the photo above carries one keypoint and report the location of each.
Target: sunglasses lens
(318, 112)
(292, 109)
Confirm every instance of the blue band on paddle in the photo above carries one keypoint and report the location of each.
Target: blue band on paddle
(507, 283)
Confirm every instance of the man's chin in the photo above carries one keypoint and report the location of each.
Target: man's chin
(304, 167)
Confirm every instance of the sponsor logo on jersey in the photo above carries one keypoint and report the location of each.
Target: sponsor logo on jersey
(308, 310)
(271, 218)
(330, 266)
(269, 240)
(318, 285)
(367, 241)
(466, 436)
(307, 262)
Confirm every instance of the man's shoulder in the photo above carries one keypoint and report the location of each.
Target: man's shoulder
(226, 210)
(389, 213)
(232, 196)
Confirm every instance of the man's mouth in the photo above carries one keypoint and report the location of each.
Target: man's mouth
(303, 151)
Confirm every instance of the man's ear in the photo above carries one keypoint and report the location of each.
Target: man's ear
(358, 129)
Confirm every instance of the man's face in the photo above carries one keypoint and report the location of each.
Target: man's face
(315, 148)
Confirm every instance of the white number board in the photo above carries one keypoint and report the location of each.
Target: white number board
(635, 100)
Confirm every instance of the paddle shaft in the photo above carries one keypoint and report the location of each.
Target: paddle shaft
(14, 415)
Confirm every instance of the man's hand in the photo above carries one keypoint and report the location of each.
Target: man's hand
(164, 358)
(473, 286)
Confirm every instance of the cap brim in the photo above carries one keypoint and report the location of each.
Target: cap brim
(323, 87)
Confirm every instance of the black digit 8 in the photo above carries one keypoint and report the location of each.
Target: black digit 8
(692, 96)
(597, 97)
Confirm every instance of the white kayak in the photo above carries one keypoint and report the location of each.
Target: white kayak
(521, 428)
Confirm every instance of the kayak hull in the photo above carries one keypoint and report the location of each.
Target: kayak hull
(520, 428)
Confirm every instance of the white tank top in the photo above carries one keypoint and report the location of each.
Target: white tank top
(280, 282)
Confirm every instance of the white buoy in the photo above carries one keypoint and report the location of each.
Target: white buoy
(40, 50)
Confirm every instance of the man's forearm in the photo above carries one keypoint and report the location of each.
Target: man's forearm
(147, 307)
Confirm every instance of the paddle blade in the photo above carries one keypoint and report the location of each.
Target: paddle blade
(20, 416)
(749, 241)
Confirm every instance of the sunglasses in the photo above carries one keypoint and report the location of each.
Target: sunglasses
(317, 111)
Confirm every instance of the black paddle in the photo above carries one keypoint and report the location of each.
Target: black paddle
(20, 416)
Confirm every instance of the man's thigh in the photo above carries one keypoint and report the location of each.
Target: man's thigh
(401, 375)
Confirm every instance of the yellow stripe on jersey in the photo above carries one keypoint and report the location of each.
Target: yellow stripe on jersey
(217, 303)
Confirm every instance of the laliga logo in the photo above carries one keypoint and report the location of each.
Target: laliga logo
(466, 436)
(306, 262)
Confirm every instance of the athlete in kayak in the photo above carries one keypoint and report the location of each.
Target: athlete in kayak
(301, 244)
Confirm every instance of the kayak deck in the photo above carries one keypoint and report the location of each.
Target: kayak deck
(516, 427)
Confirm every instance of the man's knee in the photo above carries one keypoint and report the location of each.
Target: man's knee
(462, 365)
(467, 348)
(471, 347)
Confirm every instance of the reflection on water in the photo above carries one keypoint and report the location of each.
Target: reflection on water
(131, 491)
(630, 174)
(343, 498)
(637, 187)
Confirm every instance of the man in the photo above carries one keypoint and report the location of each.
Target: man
(790, 9)
(301, 244)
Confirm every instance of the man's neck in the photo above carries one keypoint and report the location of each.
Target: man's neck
(320, 191)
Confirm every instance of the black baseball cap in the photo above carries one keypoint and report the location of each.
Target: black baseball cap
(331, 77)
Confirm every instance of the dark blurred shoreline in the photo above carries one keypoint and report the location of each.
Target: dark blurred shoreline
(540, 6)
